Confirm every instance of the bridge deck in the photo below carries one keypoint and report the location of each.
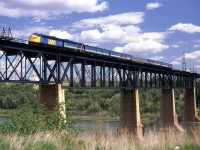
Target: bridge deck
(49, 64)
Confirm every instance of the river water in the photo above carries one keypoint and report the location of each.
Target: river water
(90, 125)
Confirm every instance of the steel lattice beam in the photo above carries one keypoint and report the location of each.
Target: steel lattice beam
(24, 63)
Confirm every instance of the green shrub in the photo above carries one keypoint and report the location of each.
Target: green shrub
(25, 121)
(29, 120)
(94, 108)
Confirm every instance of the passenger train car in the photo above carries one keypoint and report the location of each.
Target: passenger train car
(50, 40)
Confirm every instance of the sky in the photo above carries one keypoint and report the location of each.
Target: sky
(161, 30)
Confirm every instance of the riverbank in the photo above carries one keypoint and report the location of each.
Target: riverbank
(147, 118)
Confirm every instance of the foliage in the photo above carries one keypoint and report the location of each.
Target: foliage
(149, 100)
(86, 102)
(15, 95)
(94, 101)
(114, 104)
(179, 102)
(29, 120)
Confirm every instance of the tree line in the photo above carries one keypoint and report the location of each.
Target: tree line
(80, 101)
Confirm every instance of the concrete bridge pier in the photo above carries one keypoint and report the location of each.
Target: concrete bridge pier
(130, 112)
(50, 95)
(190, 110)
(168, 116)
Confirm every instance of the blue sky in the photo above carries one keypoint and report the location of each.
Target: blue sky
(161, 30)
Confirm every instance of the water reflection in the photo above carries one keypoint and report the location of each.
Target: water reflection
(103, 125)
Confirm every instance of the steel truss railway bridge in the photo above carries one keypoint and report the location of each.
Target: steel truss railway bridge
(56, 69)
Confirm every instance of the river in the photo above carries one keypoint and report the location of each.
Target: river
(90, 125)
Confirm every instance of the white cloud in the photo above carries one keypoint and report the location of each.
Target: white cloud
(130, 18)
(48, 9)
(188, 28)
(157, 58)
(91, 35)
(120, 28)
(153, 5)
(151, 42)
(193, 55)
(131, 36)
(111, 33)
(61, 34)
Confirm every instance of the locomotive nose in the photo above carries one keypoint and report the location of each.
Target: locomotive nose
(34, 38)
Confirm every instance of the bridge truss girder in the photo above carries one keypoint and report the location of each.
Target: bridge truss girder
(27, 65)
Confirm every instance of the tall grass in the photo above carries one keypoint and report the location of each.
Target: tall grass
(97, 140)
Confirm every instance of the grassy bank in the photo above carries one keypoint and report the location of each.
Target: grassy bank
(99, 140)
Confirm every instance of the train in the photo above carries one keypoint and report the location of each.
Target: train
(36, 38)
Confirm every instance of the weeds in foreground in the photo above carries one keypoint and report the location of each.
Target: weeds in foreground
(98, 140)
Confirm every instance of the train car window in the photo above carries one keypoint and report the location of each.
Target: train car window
(44, 40)
(90, 48)
(59, 43)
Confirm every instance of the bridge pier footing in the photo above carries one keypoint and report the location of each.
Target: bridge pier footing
(190, 110)
(168, 116)
(130, 112)
(50, 95)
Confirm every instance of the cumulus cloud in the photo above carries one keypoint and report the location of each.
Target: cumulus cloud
(133, 38)
(130, 18)
(48, 9)
(153, 5)
(120, 29)
(62, 34)
(152, 42)
(111, 33)
(188, 28)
